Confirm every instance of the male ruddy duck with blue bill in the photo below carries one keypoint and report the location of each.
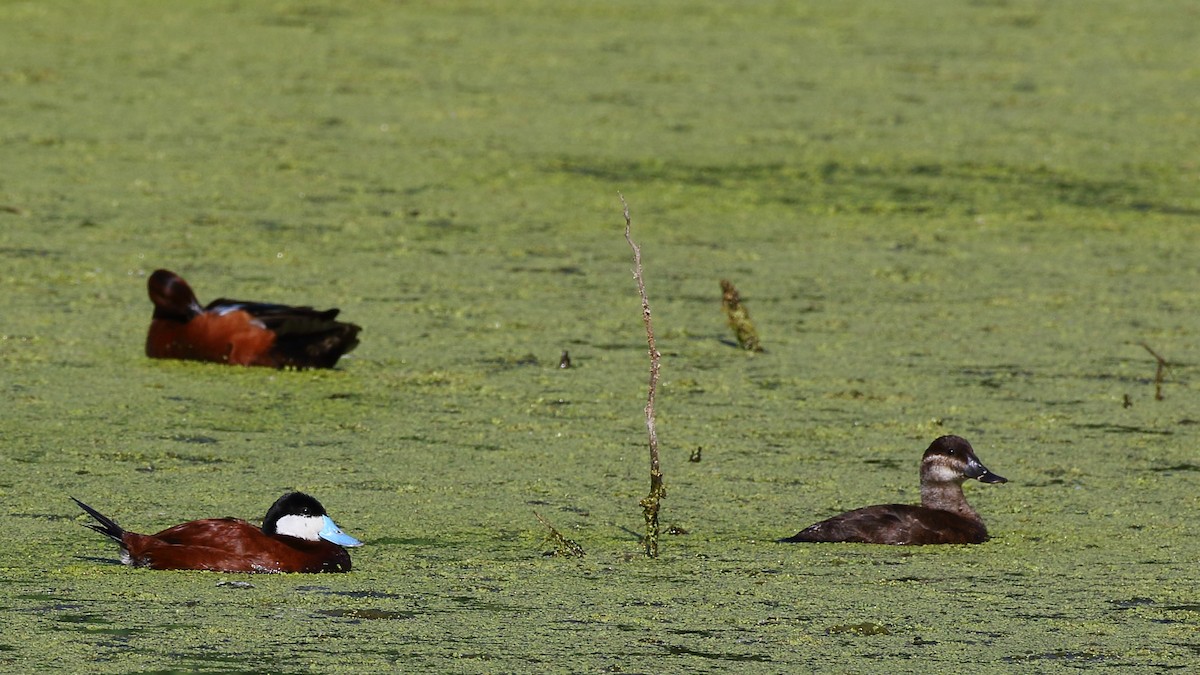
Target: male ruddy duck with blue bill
(944, 516)
(296, 536)
(242, 333)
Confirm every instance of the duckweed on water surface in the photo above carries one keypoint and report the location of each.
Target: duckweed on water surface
(948, 218)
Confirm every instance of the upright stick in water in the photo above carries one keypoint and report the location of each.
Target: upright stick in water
(657, 490)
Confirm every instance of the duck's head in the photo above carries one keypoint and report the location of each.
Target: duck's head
(298, 515)
(951, 459)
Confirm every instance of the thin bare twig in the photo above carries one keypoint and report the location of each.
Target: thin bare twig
(658, 492)
(1160, 374)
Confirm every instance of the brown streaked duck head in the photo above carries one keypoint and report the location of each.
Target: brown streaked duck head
(951, 459)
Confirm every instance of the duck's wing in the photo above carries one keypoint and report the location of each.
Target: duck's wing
(304, 337)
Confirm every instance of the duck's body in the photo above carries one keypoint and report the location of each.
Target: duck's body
(297, 536)
(898, 524)
(944, 516)
(242, 333)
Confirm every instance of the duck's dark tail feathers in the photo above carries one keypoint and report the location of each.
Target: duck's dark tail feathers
(107, 527)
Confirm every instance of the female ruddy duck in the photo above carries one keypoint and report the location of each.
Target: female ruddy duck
(296, 536)
(242, 333)
(944, 516)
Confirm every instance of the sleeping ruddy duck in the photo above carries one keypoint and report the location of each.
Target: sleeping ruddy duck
(296, 536)
(242, 333)
(944, 516)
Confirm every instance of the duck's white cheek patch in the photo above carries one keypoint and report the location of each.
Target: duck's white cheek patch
(301, 527)
(942, 473)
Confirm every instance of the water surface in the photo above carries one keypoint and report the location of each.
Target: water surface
(946, 218)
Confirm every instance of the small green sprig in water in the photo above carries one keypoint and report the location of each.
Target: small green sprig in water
(563, 547)
(739, 317)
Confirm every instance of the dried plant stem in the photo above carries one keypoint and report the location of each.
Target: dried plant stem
(658, 491)
(1160, 374)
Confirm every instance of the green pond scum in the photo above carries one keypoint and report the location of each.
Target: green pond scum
(948, 217)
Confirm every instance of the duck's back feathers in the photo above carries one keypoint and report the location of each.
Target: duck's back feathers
(897, 524)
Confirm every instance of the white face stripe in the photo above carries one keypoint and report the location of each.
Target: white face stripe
(301, 527)
(938, 470)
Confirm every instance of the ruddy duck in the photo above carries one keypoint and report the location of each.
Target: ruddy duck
(296, 536)
(242, 333)
(944, 516)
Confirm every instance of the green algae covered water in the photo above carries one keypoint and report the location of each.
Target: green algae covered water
(943, 217)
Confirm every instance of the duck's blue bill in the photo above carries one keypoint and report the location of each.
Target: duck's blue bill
(332, 533)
